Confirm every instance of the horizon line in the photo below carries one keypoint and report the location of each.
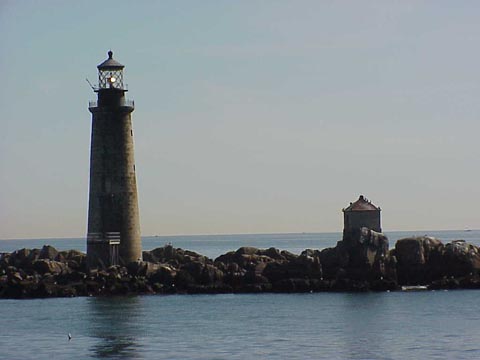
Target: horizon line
(233, 234)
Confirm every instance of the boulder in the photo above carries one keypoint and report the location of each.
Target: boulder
(161, 254)
(248, 258)
(194, 269)
(203, 274)
(227, 258)
(164, 275)
(247, 250)
(419, 260)
(301, 267)
(362, 255)
(461, 259)
(21, 258)
(71, 277)
(4, 261)
(272, 253)
(365, 247)
(15, 277)
(174, 256)
(211, 275)
(287, 255)
(333, 259)
(142, 268)
(48, 252)
(73, 255)
(234, 274)
(43, 266)
(311, 252)
(184, 280)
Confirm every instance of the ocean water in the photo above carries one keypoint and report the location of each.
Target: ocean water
(396, 325)
(388, 325)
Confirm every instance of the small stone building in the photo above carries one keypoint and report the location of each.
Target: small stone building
(361, 213)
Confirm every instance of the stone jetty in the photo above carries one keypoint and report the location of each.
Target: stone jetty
(361, 261)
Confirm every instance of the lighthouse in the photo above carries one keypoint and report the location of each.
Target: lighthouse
(113, 236)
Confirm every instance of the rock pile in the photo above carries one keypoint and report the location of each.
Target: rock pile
(361, 261)
(427, 261)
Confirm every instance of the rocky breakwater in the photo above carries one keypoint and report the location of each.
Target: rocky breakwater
(361, 261)
(427, 261)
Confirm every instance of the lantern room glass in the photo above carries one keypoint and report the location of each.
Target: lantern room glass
(108, 79)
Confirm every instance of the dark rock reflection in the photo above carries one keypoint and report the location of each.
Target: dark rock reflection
(114, 322)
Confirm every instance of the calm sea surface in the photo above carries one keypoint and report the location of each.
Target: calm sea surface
(396, 325)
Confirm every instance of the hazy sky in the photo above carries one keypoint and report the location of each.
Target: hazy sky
(251, 116)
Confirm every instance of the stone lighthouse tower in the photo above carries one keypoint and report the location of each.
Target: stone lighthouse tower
(113, 220)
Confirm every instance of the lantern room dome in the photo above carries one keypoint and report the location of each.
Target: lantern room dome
(110, 63)
(110, 74)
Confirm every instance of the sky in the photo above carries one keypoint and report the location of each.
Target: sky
(250, 116)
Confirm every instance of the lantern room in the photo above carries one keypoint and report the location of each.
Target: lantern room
(110, 74)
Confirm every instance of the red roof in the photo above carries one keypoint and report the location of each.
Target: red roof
(362, 204)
